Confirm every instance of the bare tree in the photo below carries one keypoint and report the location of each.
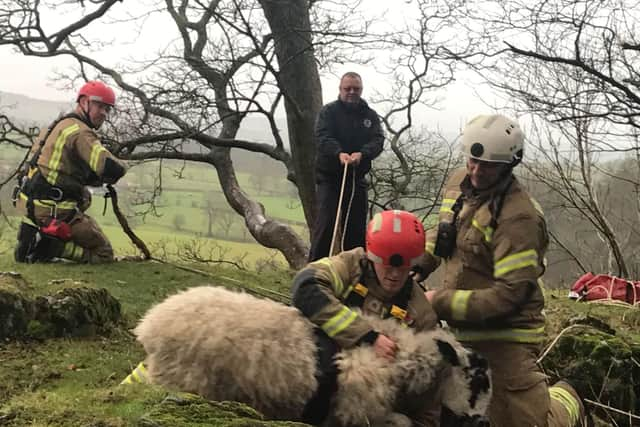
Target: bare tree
(411, 174)
(229, 59)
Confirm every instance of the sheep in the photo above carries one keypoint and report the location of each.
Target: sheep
(226, 345)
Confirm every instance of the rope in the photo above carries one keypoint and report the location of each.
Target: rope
(337, 221)
(553, 343)
(346, 217)
(256, 290)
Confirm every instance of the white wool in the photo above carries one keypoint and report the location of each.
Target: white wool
(225, 345)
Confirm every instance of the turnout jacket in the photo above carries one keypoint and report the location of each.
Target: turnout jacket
(491, 290)
(321, 289)
(71, 158)
(341, 127)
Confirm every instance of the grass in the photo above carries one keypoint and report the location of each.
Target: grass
(74, 382)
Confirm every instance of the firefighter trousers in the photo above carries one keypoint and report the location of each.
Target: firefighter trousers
(85, 233)
(521, 396)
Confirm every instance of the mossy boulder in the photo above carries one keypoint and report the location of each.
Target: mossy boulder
(15, 314)
(69, 312)
(77, 311)
(601, 366)
(13, 282)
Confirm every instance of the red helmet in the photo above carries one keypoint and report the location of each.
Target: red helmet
(98, 91)
(395, 238)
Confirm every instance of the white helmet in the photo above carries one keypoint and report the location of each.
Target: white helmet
(493, 138)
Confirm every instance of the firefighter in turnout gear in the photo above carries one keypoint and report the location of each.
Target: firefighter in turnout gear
(52, 193)
(492, 238)
(377, 281)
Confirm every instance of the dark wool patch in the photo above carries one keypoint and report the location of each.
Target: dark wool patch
(478, 370)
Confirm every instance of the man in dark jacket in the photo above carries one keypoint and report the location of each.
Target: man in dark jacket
(348, 134)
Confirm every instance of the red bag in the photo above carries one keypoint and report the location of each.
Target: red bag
(592, 287)
(57, 228)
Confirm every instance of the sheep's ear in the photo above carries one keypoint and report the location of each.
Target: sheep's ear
(448, 352)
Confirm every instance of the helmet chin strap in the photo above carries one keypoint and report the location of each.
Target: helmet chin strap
(87, 118)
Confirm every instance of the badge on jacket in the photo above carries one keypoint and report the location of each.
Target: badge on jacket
(366, 123)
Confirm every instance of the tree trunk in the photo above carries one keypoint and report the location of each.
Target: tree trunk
(266, 231)
(300, 82)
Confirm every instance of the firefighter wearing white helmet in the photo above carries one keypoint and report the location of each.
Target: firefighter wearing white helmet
(491, 239)
(52, 193)
(494, 139)
(375, 280)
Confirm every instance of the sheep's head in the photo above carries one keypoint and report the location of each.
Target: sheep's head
(467, 388)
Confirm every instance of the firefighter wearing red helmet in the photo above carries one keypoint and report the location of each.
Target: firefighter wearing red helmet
(376, 281)
(52, 194)
(95, 101)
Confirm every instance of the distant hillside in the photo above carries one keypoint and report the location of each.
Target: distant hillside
(30, 111)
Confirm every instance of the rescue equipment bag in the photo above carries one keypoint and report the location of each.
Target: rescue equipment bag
(592, 287)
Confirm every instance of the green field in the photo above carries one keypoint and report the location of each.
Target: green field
(190, 210)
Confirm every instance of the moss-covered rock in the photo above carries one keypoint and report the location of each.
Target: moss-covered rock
(15, 314)
(77, 311)
(600, 365)
(13, 282)
(69, 312)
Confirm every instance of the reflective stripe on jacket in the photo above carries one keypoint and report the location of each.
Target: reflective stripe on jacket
(72, 155)
(491, 289)
(320, 289)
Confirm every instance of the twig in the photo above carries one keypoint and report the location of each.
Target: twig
(619, 411)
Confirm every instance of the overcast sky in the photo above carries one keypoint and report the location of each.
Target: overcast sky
(31, 76)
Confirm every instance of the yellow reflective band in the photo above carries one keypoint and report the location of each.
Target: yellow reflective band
(95, 156)
(528, 258)
(338, 286)
(50, 203)
(528, 336)
(339, 322)
(447, 204)
(139, 375)
(459, 304)
(398, 312)
(430, 247)
(69, 251)
(567, 400)
(487, 231)
(361, 289)
(54, 161)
